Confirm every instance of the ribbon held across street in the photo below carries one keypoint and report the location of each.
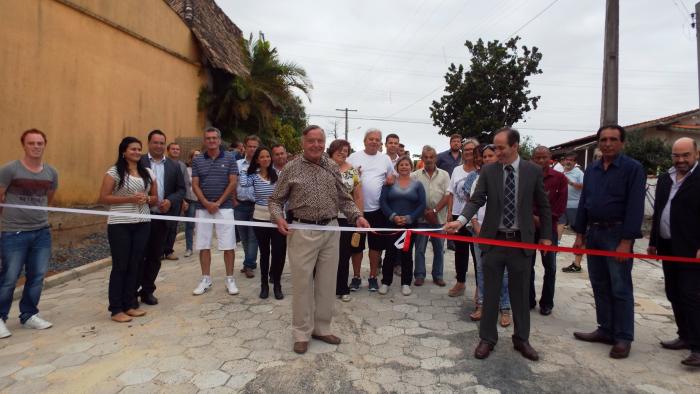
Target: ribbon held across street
(403, 242)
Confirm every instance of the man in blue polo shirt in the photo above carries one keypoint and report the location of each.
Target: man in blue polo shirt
(609, 217)
(214, 179)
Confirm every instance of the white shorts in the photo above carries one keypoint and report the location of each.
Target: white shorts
(225, 234)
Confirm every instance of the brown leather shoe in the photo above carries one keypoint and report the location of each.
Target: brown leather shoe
(675, 344)
(301, 347)
(476, 315)
(621, 349)
(595, 336)
(525, 349)
(248, 272)
(505, 319)
(439, 282)
(456, 290)
(136, 312)
(121, 317)
(693, 360)
(330, 338)
(419, 282)
(172, 257)
(483, 349)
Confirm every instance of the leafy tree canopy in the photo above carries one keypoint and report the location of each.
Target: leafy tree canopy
(493, 93)
(653, 153)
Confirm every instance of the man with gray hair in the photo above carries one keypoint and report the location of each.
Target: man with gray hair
(435, 182)
(375, 169)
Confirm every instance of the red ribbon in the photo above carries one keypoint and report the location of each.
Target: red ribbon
(548, 248)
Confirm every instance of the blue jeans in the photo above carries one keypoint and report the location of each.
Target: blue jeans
(189, 226)
(612, 284)
(244, 211)
(420, 243)
(505, 296)
(30, 250)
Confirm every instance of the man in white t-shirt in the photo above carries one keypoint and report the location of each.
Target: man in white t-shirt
(375, 170)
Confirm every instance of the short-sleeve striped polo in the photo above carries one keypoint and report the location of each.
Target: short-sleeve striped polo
(213, 175)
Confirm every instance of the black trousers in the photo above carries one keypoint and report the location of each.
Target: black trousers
(462, 250)
(518, 264)
(406, 259)
(549, 262)
(270, 243)
(170, 237)
(154, 253)
(126, 244)
(682, 282)
(345, 252)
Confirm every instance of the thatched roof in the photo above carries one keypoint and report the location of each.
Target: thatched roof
(219, 38)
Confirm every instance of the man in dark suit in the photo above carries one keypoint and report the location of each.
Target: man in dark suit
(675, 232)
(512, 187)
(171, 191)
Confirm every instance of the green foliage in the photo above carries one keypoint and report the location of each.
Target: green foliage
(526, 148)
(262, 101)
(653, 153)
(493, 93)
(287, 136)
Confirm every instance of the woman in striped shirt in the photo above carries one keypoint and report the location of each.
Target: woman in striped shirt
(128, 187)
(263, 178)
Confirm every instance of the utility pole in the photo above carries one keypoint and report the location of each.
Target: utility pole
(346, 110)
(695, 16)
(608, 105)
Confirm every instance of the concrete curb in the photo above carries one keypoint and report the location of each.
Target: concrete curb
(78, 272)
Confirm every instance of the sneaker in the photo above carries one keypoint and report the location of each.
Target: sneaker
(373, 284)
(37, 323)
(355, 284)
(188, 253)
(345, 298)
(4, 332)
(384, 289)
(202, 287)
(231, 285)
(572, 268)
(406, 290)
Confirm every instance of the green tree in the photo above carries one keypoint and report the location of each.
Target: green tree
(653, 153)
(526, 148)
(250, 104)
(493, 93)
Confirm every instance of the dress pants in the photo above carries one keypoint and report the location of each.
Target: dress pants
(314, 295)
(682, 283)
(155, 246)
(495, 262)
(127, 242)
(271, 243)
(406, 259)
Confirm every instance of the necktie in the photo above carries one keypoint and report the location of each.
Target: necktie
(509, 198)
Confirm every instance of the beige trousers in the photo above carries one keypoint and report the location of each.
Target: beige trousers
(313, 297)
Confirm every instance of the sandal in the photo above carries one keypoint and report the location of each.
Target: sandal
(505, 318)
(476, 315)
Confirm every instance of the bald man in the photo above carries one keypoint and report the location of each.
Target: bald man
(675, 232)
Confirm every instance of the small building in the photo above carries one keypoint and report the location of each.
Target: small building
(668, 129)
(90, 72)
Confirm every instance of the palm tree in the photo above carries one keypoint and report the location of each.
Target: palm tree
(250, 103)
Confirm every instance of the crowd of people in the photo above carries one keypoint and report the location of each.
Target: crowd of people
(470, 189)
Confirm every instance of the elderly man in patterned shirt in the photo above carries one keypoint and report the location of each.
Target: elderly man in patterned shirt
(312, 188)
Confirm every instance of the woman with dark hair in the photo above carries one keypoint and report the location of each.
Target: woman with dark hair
(188, 207)
(128, 187)
(262, 177)
(338, 151)
(402, 203)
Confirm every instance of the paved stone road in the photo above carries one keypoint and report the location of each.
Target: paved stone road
(420, 343)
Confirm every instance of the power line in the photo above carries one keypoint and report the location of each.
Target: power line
(533, 18)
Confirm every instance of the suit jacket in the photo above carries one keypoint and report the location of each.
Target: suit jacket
(530, 190)
(685, 211)
(173, 183)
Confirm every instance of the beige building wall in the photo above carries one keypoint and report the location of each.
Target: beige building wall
(90, 72)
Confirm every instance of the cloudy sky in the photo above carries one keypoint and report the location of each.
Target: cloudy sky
(387, 58)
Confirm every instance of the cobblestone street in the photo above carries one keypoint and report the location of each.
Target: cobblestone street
(421, 343)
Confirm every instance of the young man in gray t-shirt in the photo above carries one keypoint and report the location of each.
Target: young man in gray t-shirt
(26, 240)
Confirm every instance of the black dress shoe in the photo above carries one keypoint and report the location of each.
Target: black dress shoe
(483, 349)
(693, 360)
(545, 310)
(595, 336)
(277, 289)
(149, 299)
(621, 349)
(525, 349)
(264, 290)
(675, 344)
